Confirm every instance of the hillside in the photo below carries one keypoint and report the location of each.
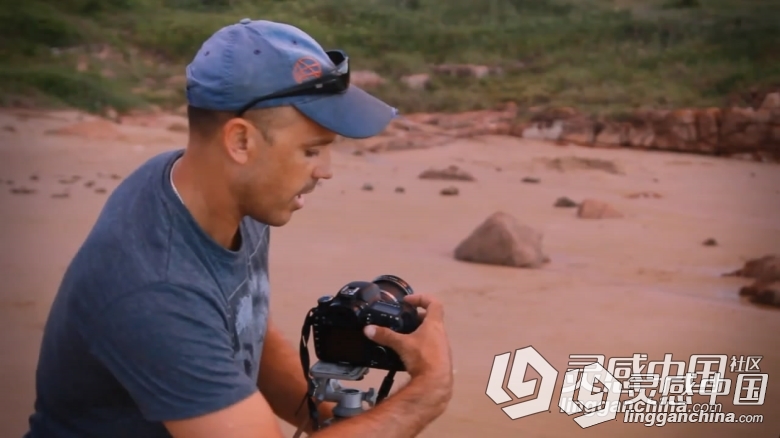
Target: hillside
(602, 56)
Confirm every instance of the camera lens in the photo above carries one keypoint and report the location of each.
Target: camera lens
(394, 289)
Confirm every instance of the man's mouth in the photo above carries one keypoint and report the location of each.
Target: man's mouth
(299, 198)
(307, 190)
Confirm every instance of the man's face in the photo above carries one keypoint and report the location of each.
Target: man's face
(271, 180)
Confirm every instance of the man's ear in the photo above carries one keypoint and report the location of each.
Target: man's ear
(238, 139)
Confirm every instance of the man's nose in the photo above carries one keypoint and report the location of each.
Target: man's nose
(323, 170)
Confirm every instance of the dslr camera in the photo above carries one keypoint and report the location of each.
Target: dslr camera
(338, 322)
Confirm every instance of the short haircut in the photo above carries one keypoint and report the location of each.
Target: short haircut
(205, 123)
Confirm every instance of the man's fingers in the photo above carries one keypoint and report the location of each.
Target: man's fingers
(383, 336)
(433, 308)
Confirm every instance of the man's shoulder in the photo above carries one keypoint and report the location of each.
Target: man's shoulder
(148, 178)
(136, 219)
(130, 243)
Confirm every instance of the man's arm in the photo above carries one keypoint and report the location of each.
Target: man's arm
(170, 350)
(281, 380)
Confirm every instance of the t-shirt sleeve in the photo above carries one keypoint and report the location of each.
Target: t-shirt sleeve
(170, 349)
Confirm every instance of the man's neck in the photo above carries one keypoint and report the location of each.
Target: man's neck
(207, 199)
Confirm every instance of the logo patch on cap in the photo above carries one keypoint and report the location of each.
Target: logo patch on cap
(305, 69)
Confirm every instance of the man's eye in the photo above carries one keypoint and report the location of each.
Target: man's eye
(312, 153)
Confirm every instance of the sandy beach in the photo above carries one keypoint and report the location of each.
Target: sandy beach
(643, 283)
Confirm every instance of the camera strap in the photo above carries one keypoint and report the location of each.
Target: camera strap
(384, 390)
(304, 353)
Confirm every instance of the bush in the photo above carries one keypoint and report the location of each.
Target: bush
(554, 52)
(79, 90)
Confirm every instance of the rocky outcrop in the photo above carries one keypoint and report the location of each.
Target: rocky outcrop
(714, 131)
(424, 130)
(745, 132)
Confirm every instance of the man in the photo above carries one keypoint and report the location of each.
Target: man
(160, 327)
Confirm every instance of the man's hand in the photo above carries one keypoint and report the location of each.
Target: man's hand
(426, 352)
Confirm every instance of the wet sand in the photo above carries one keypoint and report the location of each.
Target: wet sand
(640, 284)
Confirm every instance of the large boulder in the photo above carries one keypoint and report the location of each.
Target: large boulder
(502, 240)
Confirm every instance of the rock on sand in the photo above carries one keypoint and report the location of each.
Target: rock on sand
(762, 293)
(450, 173)
(765, 269)
(502, 240)
(766, 287)
(593, 209)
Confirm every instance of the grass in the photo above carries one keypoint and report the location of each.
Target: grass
(602, 56)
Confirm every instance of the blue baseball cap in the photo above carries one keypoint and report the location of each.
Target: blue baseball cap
(261, 64)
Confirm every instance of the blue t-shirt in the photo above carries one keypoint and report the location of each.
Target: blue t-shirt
(153, 320)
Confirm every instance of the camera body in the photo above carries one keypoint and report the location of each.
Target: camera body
(338, 322)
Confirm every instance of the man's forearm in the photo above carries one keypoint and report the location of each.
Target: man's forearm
(282, 383)
(403, 415)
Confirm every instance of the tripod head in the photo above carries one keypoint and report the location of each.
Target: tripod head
(327, 387)
(349, 401)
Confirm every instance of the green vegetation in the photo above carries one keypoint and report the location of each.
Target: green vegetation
(602, 56)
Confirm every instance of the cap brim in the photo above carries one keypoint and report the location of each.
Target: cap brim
(352, 114)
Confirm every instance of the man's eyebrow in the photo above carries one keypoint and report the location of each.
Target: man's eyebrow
(319, 141)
